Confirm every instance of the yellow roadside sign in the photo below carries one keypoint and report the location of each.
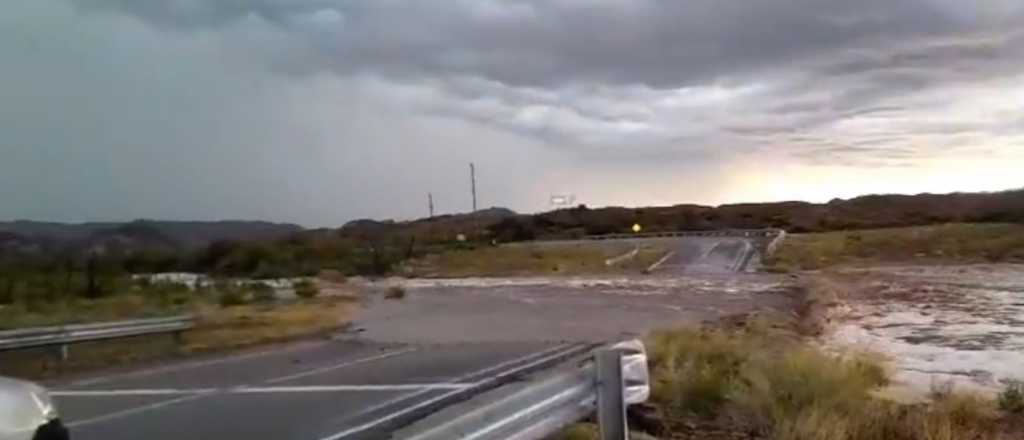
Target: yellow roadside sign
(637, 228)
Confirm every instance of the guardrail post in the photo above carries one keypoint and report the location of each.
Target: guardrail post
(179, 337)
(611, 405)
(60, 353)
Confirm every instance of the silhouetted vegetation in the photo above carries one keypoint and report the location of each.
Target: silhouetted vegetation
(963, 243)
(306, 289)
(44, 262)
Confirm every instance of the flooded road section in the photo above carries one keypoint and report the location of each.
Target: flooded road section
(942, 324)
(590, 309)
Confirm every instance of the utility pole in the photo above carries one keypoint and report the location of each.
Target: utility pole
(472, 182)
(430, 203)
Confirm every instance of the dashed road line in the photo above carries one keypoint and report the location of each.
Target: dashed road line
(262, 390)
(136, 410)
(130, 392)
(658, 263)
(211, 392)
(192, 364)
(316, 371)
(435, 400)
(377, 407)
(335, 388)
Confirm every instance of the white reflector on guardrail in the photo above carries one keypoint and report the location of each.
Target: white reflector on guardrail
(634, 371)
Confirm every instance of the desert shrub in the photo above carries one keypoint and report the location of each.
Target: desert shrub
(334, 276)
(784, 390)
(179, 300)
(1011, 398)
(231, 297)
(513, 229)
(580, 431)
(780, 386)
(166, 293)
(125, 305)
(956, 242)
(957, 416)
(395, 292)
(940, 389)
(267, 271)
(262, 292)
(802, 387)
(306, 289)
(695, 371)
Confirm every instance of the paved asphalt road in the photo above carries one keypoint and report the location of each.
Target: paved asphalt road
(707, 255)
(328, 390)
(691, 255)
(407, 358)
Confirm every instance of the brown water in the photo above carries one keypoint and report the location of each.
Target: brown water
(961, 324)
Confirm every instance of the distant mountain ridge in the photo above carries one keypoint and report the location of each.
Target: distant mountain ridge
(865, 212)
(872, 211)
(138, 234)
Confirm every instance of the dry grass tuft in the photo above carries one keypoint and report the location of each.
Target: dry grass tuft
(579, 431)
(253, 324)
(757, 380)
(1011, 399)
(217, 329)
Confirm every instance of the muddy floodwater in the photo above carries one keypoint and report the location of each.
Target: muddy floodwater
(942, 324)
(591, 309)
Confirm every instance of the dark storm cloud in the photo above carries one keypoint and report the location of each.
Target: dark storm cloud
(579, 74)
(321, 97)
(663, 44)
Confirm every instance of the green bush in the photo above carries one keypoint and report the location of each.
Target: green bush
(231, 297)
(579, 431)
(262, 292)
(306, 289)
(1011, 399)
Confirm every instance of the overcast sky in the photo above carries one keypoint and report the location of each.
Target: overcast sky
(322, 111)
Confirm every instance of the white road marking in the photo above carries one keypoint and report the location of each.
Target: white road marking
(138, 409)
(261, 390)
(747, 248)
(408, 396)
(130, 392)
(626, 256)
(338, 366)
(658, 263)
(333, 388)
(194, 364)
(189, 397)
(407, 410)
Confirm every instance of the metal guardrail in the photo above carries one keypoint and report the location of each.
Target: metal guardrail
(616, 378)
(64, 335)
(716, 233)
